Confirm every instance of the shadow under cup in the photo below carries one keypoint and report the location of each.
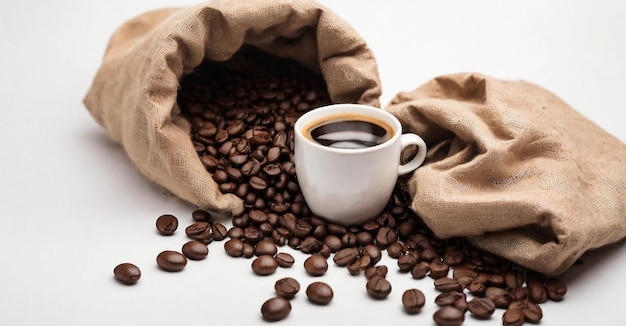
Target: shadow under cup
(347, 159)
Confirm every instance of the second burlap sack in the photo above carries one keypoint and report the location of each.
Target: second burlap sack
(134, 93)
(514, 169)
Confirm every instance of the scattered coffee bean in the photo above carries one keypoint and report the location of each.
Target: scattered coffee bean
(127, 273)
(287, 287)
(275, 309)
(413, 300)
(264, 265)
(234, 247)
(378, 287)
(200, 215)
(448, 316)
(219, 231)
(319, 293)
(481, 308)
(555, 289)
(499, 296)
(195, 250)
(372, 271)
(446, 284)
(284, 259)
(171, 261)
(513, 317)
(166, 224)
(316, 265)
(265, 247)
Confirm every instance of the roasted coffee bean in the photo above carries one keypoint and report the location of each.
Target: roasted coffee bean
(532, 312)
(235, 233)
(406, 262)
(514, 279)
(380, 270)
(348, 240)
(346, 256)
(248, 250)
(438, 269)
(333, 242)
(446, 284)
(373, 252)
(518, 294)
(200, 215)
(385, 236)
(513, 317)
(310, 245)
(555, 289)
(287, 287)
(359, 265)
(395, 250)
(234, 247)
(319, 293)
(316, 265)
(265, 247)
(413, 300)
(429, 254)
(453, 257)
(252, 234)
(195, 250)
(166, 224)
(220, 176)
(481, 308)
(449, 298)
(198, 230)
(477, 288)
(171, 261)
(363, 238)
(284, 259)
(537, 291)
(264, 265)
(219, 231)
(378, 287)
(275, 309)
(500, 297)
(448, 316)
(420, 270)
(127, 273)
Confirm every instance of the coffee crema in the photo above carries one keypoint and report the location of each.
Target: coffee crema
(349, 131)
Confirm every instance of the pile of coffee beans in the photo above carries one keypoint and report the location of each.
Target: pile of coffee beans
(242, 113)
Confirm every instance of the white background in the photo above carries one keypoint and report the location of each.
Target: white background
(72, 206)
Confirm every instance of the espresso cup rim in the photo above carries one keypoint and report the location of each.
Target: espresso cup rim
(388, 117)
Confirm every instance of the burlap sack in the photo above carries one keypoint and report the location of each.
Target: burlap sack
(514, 169)
(134, 92)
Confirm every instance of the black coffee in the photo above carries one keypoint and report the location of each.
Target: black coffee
(351, 133)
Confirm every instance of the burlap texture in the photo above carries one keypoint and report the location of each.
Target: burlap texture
(133, 94)
(514, 169)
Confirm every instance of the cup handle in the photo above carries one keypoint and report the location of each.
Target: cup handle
(412, 139)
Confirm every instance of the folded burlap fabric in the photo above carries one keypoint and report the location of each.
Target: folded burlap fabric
(134, 92)
(515, 169)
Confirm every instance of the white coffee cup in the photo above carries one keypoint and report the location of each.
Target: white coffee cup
(350, 185)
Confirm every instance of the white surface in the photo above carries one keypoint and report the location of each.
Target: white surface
(73, 206)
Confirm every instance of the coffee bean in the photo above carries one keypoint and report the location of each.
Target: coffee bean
(166, 224)
(198, 230)
(420, 270)
(171, 261)
(248, 250)
(438, 269)
(449, 298)
(264, 265)
(380, 270)
(513, 317)
(316, 265)
(500, 297)
(201, 215)
(234, 247)
(346, 256)
(537, 292)
(373, 252)
(446, 284)
(195, 250)
(284, 259)
(275, 309)
(477, 288)
(385, 236)
(287, 287)
(555, 289)
(378, 287)
(532, 312)
(481, 308)
(413, 300)
(219, 231)
(514, 278)
(127, 273)
(319, 293)
(448, 316)
(265, 247)
(406, 263)
(310, 245)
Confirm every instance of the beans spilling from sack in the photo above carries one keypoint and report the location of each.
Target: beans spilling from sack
(242, 113)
